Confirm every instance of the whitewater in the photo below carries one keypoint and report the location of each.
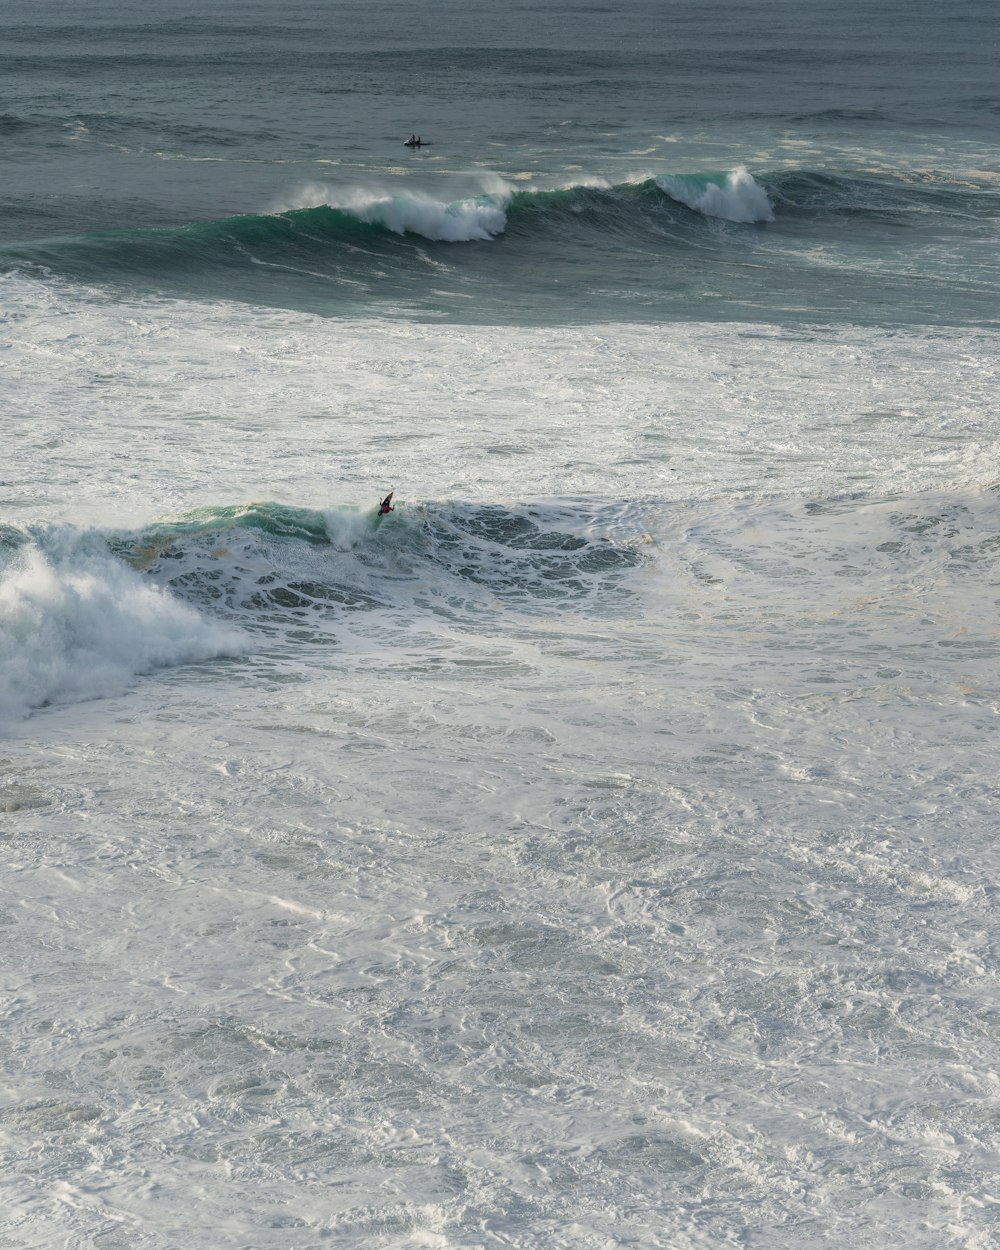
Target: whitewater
(600, 849)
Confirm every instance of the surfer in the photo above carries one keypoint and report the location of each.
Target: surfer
(385, 505)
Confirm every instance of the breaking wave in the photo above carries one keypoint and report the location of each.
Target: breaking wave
(324, 218)
(735, 197)
(589, 249)
(82, 613)
(76, 623)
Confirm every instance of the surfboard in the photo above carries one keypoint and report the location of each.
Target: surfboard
(424, 143)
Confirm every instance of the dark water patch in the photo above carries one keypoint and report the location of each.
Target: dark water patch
(822, 194)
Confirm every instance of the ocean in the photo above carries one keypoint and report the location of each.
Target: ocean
(600, 849)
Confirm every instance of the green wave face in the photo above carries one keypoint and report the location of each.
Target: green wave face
(650, 248)
(278, 520)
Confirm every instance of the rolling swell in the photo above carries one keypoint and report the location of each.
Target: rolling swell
(592, 251)
(822, 195)
(407, 250)
(370, 220)
(370, 227)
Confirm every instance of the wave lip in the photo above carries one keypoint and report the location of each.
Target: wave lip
(474, 218)
(81, 625)
(462, 221)
(735, 196)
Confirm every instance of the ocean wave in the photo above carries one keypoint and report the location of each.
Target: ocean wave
(262, 560)
(824, 195)
(492, 254)
(332, 250)
(458, 222)
(318, 219)
(76, 623)
(412, 212)
(83, 613)
(315, 221)
(735, 196)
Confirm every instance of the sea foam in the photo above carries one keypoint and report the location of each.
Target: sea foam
(82, 626)
(463, 220)
(458, 222)
(738, 198)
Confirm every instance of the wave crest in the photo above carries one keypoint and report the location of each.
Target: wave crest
(737, 197)
(479, 217)
(80, 625)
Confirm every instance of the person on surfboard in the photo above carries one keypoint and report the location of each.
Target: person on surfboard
(385, 505)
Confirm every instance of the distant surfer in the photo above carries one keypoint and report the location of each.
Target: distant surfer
(414, 141)
(385, 505)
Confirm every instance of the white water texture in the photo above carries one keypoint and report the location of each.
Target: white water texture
(415, 212)
(80, 624)
(602, 851)
(739, 198)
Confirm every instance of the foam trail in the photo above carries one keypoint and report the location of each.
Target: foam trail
(83, 626)
(740, 198)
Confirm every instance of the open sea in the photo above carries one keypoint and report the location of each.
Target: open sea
(603, 849)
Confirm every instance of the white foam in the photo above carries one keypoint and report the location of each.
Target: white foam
(478, 217)
(480, 413)
(458, 222)
(740, 198)
(84, 626)
(690, 901)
